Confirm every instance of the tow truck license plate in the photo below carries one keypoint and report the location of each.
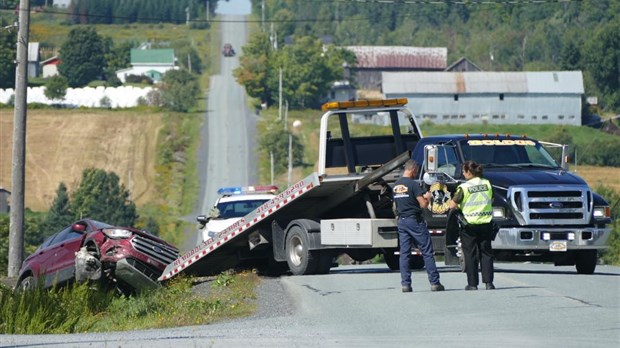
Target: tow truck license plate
(558, 245)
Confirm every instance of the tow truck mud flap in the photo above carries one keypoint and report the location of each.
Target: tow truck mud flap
(133, 277)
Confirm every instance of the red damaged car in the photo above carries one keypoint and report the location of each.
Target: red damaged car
(122, 257)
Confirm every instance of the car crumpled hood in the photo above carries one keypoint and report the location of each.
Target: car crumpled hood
(506, 178)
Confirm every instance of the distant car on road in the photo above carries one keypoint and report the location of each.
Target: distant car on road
(233, 204)
(122, 257)
(228, 50)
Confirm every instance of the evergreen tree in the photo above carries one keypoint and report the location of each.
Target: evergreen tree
(100, 196)
(60, 214)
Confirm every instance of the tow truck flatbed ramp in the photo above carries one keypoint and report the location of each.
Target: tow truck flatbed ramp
(217, 254)
(315, 198)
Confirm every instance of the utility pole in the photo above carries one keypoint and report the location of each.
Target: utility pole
(16, 228)
(262, 23)
(280, 94)
(207, 10)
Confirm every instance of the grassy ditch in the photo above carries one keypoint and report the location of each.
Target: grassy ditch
(76, 308)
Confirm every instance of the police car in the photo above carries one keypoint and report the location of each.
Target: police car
(233, 204)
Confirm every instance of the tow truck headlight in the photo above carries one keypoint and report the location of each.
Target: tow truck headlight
(602, 212)
(117, 233)
(499, 213)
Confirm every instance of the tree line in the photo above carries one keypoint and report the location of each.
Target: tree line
(495, 35)
(126, 11)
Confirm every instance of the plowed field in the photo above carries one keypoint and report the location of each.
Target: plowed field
(60, 144)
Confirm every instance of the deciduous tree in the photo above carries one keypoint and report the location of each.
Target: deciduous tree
(179, 90)
(82, 56)
(56, 88)
(7, 57)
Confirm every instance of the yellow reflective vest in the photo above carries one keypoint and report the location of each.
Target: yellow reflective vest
(477, 203)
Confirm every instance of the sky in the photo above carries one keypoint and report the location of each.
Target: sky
(234, 7)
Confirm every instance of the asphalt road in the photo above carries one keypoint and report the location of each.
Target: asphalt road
(227, 155)
(534, 305)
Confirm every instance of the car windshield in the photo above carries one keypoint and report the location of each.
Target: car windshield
(99, 225)
(237, 209)
(507, 153)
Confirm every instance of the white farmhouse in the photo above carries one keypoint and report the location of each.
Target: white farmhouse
(152, 63)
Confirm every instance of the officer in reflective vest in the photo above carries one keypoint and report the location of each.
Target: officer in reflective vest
(475, 198)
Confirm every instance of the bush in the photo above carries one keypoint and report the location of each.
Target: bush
(105, 102)
(138, 79)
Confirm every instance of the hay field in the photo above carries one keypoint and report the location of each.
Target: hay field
(60, 144)
(595, 176)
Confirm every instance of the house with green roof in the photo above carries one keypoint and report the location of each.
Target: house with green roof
(149, 62)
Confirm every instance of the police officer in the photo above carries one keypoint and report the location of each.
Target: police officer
(474, 198)
(410, 200)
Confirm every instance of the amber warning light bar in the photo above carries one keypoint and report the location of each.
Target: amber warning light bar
(363, 104)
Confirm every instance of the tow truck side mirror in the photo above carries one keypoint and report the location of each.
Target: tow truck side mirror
(430, 158)
(565, 157)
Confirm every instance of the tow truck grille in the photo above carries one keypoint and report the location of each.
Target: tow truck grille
(540, 205)
(155, 250)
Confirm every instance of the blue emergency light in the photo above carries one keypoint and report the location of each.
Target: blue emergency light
(245, 190)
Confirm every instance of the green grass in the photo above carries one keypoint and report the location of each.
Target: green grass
(77, 308)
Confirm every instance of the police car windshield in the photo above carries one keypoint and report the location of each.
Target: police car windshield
(238, 209)
(521, 153)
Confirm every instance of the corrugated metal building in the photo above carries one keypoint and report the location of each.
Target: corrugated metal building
(549, 97)
(373, 60)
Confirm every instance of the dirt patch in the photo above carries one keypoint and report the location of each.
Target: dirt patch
(60, 144)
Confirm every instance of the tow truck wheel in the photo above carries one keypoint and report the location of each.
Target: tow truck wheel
(300, 260)
(325, 261)
(585, 261)
(416, 262)
(391, 260)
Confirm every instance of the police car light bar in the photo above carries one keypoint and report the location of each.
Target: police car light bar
(364, 103)
(244, 190)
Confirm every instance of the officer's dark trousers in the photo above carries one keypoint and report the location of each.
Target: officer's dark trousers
(476, 243)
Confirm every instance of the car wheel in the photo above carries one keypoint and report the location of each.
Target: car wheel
(25, 284)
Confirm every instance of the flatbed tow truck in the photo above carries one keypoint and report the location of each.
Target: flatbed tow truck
(543, 211)
(304, 227)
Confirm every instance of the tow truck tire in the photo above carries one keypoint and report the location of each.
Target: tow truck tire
(325, 261)
(299, 258)
(585, 261)
(391, 260)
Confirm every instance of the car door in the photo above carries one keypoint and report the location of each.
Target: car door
(58, 264)
(42, 259)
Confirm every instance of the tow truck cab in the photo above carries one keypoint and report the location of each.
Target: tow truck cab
(543, 211)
